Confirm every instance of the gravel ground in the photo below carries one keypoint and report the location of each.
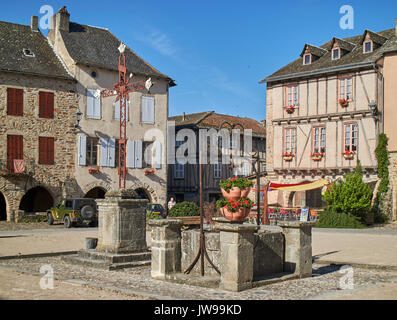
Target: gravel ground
(325, 282)
(12, 226)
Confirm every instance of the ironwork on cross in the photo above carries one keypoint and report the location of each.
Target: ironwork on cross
(121, 90)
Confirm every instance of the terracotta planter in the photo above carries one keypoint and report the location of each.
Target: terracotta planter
(233, 194)
(288, 158)
(237, 216)
(344, 105)
(348, 156)
(245, 192)
(317, 157)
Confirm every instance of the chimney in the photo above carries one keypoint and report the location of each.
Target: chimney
(396, 27)
(62, 19)
(183, 116)
(34, 23)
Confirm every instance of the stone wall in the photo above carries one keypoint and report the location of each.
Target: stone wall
(58, 179)
(268, 252)
(389, 205)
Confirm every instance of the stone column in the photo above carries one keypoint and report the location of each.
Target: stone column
(122, 225)
(298, 247)
(166, 247)
(237, 254)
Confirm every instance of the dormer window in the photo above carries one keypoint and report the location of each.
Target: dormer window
(28, 53)
(368, 46)
(335, 54)
(307, 59)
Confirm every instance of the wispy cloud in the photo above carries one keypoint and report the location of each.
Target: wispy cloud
(222, 81)
(158, 40)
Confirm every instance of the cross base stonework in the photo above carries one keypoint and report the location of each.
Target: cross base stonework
(121, 235)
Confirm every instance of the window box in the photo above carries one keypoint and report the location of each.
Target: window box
(93, 170)
(348, 155)
(344, 103)
(317, 156)
(148, 172)
(288, 156)
(289, 109)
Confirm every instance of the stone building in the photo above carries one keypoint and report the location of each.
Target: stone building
(38, 102)
(325, 110)
(184, 179)
(91, 55)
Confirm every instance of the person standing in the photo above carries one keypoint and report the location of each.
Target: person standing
(171, 203)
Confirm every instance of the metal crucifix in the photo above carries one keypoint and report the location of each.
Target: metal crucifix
(121, 90)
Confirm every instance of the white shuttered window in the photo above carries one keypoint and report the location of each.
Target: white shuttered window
(93, 105)
(147, 110)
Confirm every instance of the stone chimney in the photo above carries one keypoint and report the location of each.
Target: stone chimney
(183, 116)
(34, 23)
(396, 27)
(60, 21)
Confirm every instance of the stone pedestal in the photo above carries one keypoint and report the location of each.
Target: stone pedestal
(298, 247)
(237, 254)
(166, 247)
(122, 225)
(121, 236)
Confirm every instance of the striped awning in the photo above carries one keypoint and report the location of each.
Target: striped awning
(304, 186)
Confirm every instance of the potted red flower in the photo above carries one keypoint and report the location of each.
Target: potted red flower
(289, 109)
(344, 102)
(317, 156)
(348, 155)
(93, 170)
(235, 188)
(235, 210)
(288, 156)
(149, 172)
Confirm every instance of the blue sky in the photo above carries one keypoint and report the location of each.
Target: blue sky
(217, 51)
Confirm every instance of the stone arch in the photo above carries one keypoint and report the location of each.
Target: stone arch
(148, 189)
(96, 193)
(37, 199)
(100, 184)
(3, 207)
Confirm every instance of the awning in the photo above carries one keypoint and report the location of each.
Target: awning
(304, 186)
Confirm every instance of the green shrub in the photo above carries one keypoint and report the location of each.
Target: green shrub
(183, 209)
(150, 216)
(380, 217)
(240, 183)
(350, 195)
(333, 219)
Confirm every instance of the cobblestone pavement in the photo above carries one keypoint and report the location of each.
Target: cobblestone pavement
(325, 282)
(12, 226)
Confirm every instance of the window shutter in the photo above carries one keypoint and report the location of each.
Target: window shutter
(147, 109)
(50, 105)
(104, 152)
(42, 151)
(138, 154)
(14, 102)
(111, 152)
(117, 110)
(50, 150)
(97, 106)
(90, 104)
(14, 150)
(130, 154)
(158, 154)
(19, 102)
(82, 151)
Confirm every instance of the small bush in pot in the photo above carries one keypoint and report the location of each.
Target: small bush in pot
(241, 183)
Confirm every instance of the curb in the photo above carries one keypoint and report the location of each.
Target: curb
(357, 265)
(38, 255)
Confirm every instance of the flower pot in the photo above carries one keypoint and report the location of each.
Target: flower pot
(344, 105)
(245, 192)
(348, 156)
(238, 216)
(233, 194)
(288, 158)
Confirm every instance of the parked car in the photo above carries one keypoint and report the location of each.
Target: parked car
(74, 212)
(157, 209)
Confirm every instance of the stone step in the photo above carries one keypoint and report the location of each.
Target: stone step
(102, 264)
(114, 258)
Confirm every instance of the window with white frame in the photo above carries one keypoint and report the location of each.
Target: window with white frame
(318, 139)
(307, 59)
(368, 46)
(292, 95)
(290, 140)
(218, 170)
(345, 88)
(351, 137)
(92, 151)
(335, 54)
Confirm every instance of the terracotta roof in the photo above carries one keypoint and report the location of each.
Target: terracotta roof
(210, 119)
(98, 47)
(356, 57)
(14, 39)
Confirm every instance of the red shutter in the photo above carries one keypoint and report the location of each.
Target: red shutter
(46, 150)
(46, 105)
(14, 102)
(14, 150)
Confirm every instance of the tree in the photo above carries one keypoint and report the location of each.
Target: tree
(350, 195)
(382, 157)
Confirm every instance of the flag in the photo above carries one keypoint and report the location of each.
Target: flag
(19, 166)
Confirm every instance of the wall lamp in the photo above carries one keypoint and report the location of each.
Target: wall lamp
(374, 108)
(78, 118)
